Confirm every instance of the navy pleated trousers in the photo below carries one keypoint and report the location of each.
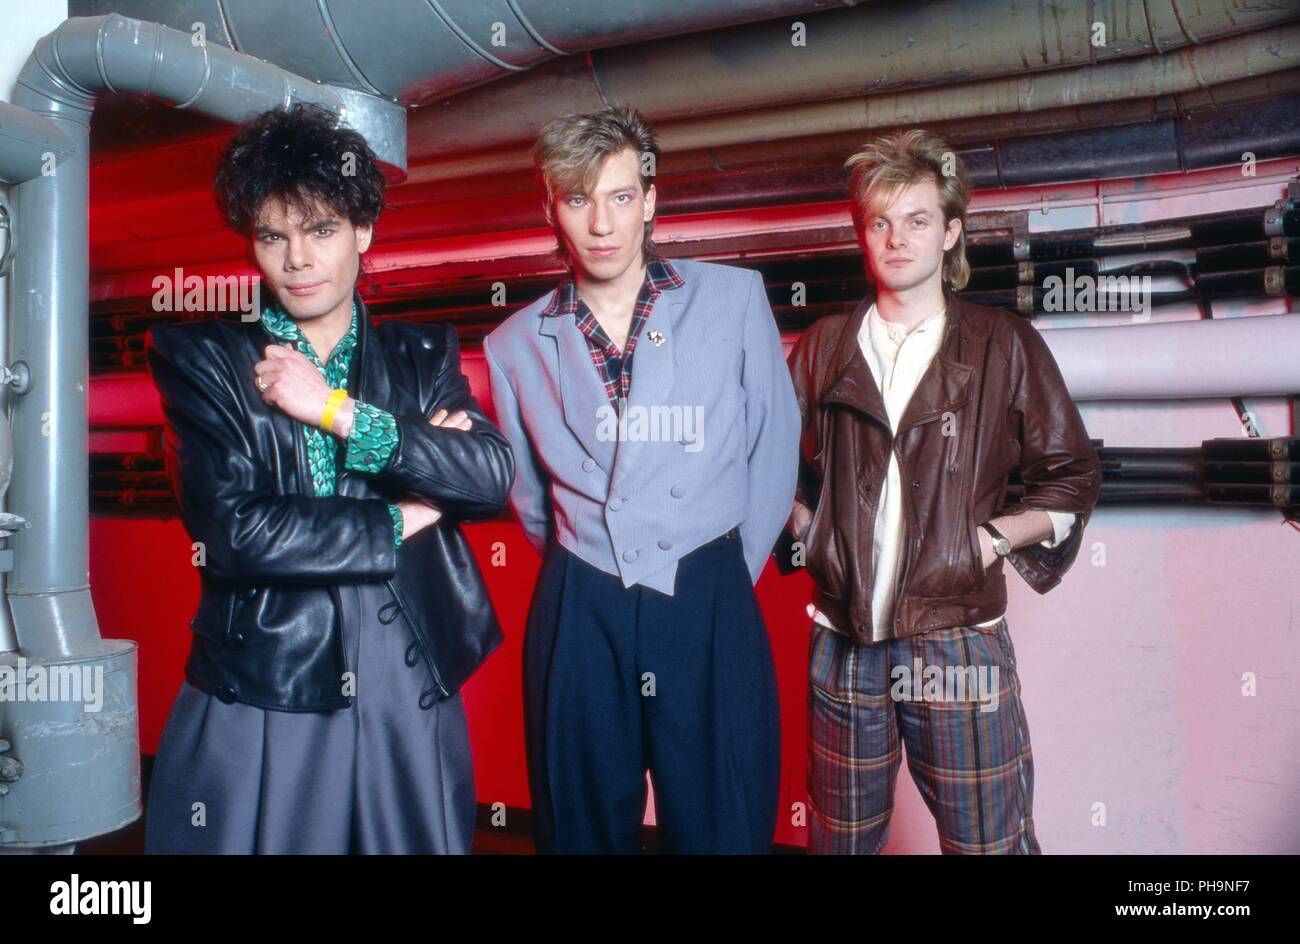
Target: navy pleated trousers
(618, 681)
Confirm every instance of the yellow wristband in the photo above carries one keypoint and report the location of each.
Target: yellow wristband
(332, 405)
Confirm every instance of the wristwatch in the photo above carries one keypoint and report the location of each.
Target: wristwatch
(1000, 543)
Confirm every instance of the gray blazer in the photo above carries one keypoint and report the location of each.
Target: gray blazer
(708, 439)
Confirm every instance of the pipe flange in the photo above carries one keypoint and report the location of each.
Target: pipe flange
(1274, 282)
(1273, 220)
(11, 768)
(1025, 300)
(19, 376)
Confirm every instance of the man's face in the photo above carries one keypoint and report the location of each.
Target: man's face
(603, 230)
(311, 262)
(904, 243)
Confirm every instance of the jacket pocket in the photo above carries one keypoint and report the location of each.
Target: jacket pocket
(969, 569)
(822, 551)
(215, 614)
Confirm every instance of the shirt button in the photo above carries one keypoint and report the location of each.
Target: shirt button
(677, 491)
(665, 545)
(916, 485)
(615, 503)
(588, 465)
(226, 693)
(629, 556)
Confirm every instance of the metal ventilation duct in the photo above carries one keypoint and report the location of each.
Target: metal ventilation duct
(418, 51)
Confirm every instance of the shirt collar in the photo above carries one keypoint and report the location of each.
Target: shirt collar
(278, 323)
(880, 328)
(660, 276)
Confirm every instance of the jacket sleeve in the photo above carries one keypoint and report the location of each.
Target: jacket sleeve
(530, 494)
(771, 429)
(806, 488)
(1058, 463)
(465, 473)
(227, 494)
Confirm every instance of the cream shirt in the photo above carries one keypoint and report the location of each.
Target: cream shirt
(898, 359)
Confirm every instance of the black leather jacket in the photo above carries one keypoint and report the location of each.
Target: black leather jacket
(266, 632)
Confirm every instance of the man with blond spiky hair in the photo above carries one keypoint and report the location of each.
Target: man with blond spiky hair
(656, 493)
(916, 407)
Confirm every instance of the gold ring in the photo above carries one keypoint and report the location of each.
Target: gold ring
(261, 385)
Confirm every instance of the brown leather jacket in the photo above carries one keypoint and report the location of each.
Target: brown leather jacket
(991, 399)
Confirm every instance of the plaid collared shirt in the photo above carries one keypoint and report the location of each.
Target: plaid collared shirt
(614, 367)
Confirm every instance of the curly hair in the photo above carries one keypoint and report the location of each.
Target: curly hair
(299, 155)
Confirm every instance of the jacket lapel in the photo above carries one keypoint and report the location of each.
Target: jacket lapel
(581, 391)
(368, 382)
(287, 431)
(943, 387)
(850, 381)
(652, 365)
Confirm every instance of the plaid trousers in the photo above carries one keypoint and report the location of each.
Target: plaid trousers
(955, 696)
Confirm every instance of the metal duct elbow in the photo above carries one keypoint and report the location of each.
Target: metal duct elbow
(85, 56)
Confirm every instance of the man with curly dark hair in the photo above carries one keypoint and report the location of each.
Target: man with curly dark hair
(322, 465)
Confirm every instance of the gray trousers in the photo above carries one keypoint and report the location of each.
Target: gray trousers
(382, 776)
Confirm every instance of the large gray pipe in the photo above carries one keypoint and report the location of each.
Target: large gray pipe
(27, 142)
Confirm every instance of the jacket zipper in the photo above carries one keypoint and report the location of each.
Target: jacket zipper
(338, 636)
(909, 512)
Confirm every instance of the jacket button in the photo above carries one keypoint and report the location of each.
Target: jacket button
(235, 640)
(226, 693)
(629, 556)
(588, 465)
(665, 545)
(426, 343)
(677, 491)
(615, 503)
(916, 485)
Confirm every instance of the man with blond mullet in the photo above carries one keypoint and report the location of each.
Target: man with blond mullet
(916, 407)
(656, 436)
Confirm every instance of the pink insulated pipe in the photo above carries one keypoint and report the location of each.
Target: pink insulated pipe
(1252, 356)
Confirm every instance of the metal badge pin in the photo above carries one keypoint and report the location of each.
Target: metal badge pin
(657, 337)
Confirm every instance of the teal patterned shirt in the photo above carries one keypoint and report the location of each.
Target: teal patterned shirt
(374, 431)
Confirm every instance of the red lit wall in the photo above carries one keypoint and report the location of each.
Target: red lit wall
(146, 589)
